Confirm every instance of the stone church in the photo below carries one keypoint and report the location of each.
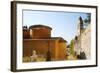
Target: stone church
(38, 38)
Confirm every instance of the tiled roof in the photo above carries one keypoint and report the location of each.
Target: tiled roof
(60, 39)
(52, 38)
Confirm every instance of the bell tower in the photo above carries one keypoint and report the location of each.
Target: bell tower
(80, 29)
(80, 26)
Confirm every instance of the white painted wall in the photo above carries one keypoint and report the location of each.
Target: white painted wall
(5, 37)
(86, 42)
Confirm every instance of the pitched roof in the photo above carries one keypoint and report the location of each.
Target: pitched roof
(60, 39)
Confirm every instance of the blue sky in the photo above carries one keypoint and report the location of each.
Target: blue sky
(63, 24)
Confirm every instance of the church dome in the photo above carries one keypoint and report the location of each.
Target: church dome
(40, 32)
(40, 26)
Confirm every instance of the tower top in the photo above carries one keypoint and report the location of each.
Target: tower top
(80, 20)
